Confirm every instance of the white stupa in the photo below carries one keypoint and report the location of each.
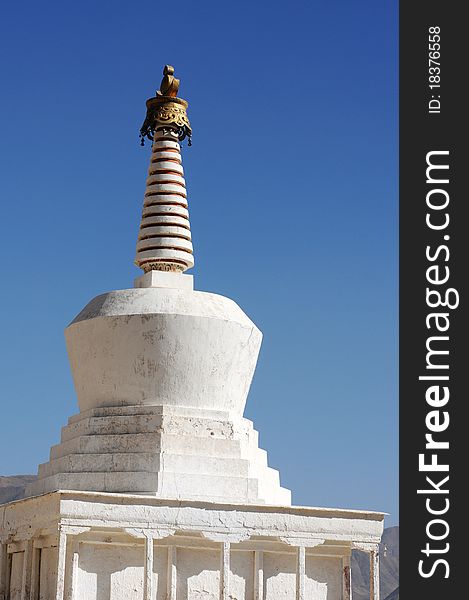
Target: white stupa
(158, 488)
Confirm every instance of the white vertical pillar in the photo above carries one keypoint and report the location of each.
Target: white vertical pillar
(258, 575)
(3, 570)
(35, 573)
(172, 573)
(72, 592)
(148, 569)
(61, 552)
(374, 574)
(300, 573)
(225, 571)
(346, 578)
(27, 564)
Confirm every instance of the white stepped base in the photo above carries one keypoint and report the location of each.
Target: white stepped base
(163, 452)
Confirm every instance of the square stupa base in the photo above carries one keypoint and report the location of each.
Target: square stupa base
(69, 545)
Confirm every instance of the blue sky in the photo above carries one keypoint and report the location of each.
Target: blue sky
(292, 181)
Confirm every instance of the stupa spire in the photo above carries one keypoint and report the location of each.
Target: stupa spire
(164, 240)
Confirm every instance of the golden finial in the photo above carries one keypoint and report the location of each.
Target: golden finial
(165, 110)
(169, 84)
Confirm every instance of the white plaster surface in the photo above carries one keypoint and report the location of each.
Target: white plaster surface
(241, 580)
(110, 572)
(198, 574)
(165, 279)
(48, 573)
(108, 533)
(196, 455)
(321, 581)
(160, 572)
(158, 346)
(280, 576)
(162, 375)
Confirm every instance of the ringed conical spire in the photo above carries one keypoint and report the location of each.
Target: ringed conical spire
(164, 240)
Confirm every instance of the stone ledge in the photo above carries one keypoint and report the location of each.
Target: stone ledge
(98, 509)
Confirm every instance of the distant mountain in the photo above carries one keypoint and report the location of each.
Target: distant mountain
(389, 568)
(13, 487)
(394, 595)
